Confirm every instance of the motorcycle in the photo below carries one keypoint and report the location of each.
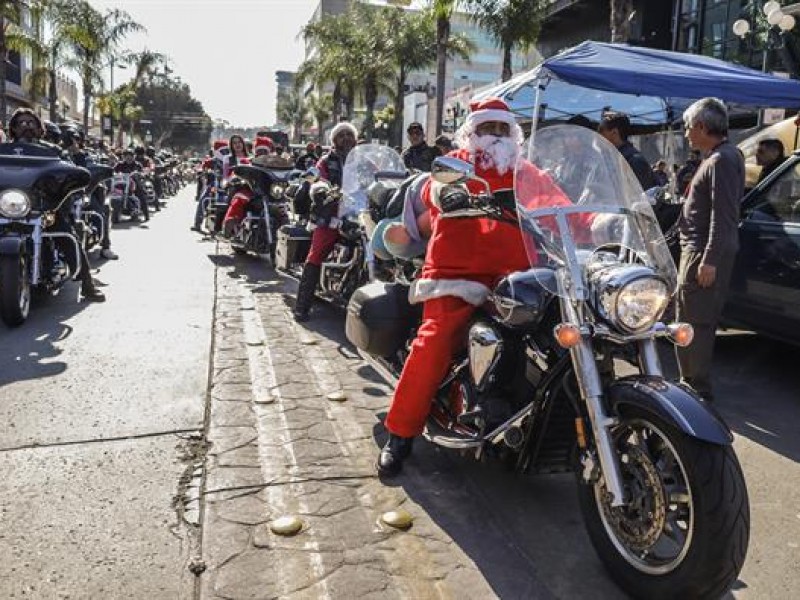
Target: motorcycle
(351, 263)
(33, 188)
(215, 200)
(266, 211)
(541, 383)
(89, 223)
(122, 198)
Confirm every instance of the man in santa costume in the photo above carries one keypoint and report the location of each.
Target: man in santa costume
(464, 260)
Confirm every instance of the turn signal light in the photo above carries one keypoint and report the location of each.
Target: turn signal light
(681, 334)
(567, 335)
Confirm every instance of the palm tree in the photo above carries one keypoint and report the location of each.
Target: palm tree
(442, 11)
(512, 24)
(320, 106)
(144, 64)
(414, 48)
(103, 33)
(332, 36)
(371, 56)
(293, 111)
(12, 37)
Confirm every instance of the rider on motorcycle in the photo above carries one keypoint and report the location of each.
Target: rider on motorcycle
(133, 168)
(72, 142)
(331, 166)
(241, 195)
(465, 258)
(26, 127)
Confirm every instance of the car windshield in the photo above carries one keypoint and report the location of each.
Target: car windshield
(579, 201)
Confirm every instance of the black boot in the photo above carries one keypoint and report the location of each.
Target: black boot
(305, 291)
(391, 458)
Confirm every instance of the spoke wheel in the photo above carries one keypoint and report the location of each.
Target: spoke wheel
(653, 531)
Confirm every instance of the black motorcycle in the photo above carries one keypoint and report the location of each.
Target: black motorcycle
(351, 263)
(89, 223)
(545, 382)
(123, 199)
(265, 213)
(34, 187)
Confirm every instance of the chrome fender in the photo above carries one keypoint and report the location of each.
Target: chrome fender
(675, 404)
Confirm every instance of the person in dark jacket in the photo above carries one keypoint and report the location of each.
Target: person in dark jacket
(615, 127)
(709, 237)
(418, 155)
(26, 128)
(323, 238)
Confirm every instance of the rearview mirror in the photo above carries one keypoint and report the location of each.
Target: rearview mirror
(449, 170)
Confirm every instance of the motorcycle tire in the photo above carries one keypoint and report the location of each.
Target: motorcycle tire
(717, 526)
(15, 289)
(239, 250)
(116, 214)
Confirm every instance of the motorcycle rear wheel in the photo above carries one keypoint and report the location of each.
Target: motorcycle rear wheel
(685, 530)
(15, 289)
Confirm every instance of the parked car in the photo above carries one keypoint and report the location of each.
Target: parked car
(765, 286)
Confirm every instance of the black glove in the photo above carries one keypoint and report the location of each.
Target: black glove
(453, 198)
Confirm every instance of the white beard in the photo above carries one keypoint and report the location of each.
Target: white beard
(493, 152)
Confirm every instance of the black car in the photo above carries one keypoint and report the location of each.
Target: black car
(765, 286)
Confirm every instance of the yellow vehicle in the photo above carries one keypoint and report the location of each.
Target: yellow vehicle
(786, 131)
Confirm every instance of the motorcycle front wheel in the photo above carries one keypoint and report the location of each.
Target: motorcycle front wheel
(684, 530)
(15, 289)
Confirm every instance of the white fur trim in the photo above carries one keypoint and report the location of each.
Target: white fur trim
(339, 127)
(469, 291)
(489, 114)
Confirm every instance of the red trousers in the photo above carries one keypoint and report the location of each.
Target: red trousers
(237, 208)
(323, 239)
(443, 330)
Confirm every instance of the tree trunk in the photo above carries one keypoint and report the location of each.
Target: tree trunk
(87, 97)
(337, 103)
(396, 134)
(370, 97)
(506, 63)
(620, 25)
(52, 96)
(3, 70)
(442, 38)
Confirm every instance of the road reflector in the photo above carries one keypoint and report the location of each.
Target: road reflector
(399, 519)
(288, 525)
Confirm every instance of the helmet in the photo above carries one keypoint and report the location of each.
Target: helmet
(69, 135)
(151, 151)
(52, 132)
(139, 150)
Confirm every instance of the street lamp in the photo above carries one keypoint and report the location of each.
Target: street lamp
(779, 24)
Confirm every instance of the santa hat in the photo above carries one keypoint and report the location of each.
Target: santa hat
(484, 111)
(340, 127)
(262, 143)
(219, 144)
(488, 109)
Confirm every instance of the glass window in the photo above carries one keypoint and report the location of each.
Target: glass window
(781, 201)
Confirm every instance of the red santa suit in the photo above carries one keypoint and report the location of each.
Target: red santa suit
(237, 209)
(465, 259)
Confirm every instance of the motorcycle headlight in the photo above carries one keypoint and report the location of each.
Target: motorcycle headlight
(14, 204)
(632, 298)
(276, 191)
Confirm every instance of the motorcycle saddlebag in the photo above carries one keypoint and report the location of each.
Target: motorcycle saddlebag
(292, 246)
(380, 317)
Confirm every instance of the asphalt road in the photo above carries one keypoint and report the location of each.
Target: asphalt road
(98, 403)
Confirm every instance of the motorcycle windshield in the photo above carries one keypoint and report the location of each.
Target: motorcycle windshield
(362, 164)
(578, 201)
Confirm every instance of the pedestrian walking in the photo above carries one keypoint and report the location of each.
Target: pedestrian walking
(616, 127)
(709, 237)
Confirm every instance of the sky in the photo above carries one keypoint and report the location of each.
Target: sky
(227, 51)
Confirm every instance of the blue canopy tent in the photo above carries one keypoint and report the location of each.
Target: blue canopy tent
(592, 76)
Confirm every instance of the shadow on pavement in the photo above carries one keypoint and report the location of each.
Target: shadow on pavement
(26, 352)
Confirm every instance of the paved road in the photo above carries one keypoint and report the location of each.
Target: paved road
(107, 412)
(98, 406)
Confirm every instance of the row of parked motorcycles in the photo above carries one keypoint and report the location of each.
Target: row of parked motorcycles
(37, 191)
(538, 385)
(122, 194)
